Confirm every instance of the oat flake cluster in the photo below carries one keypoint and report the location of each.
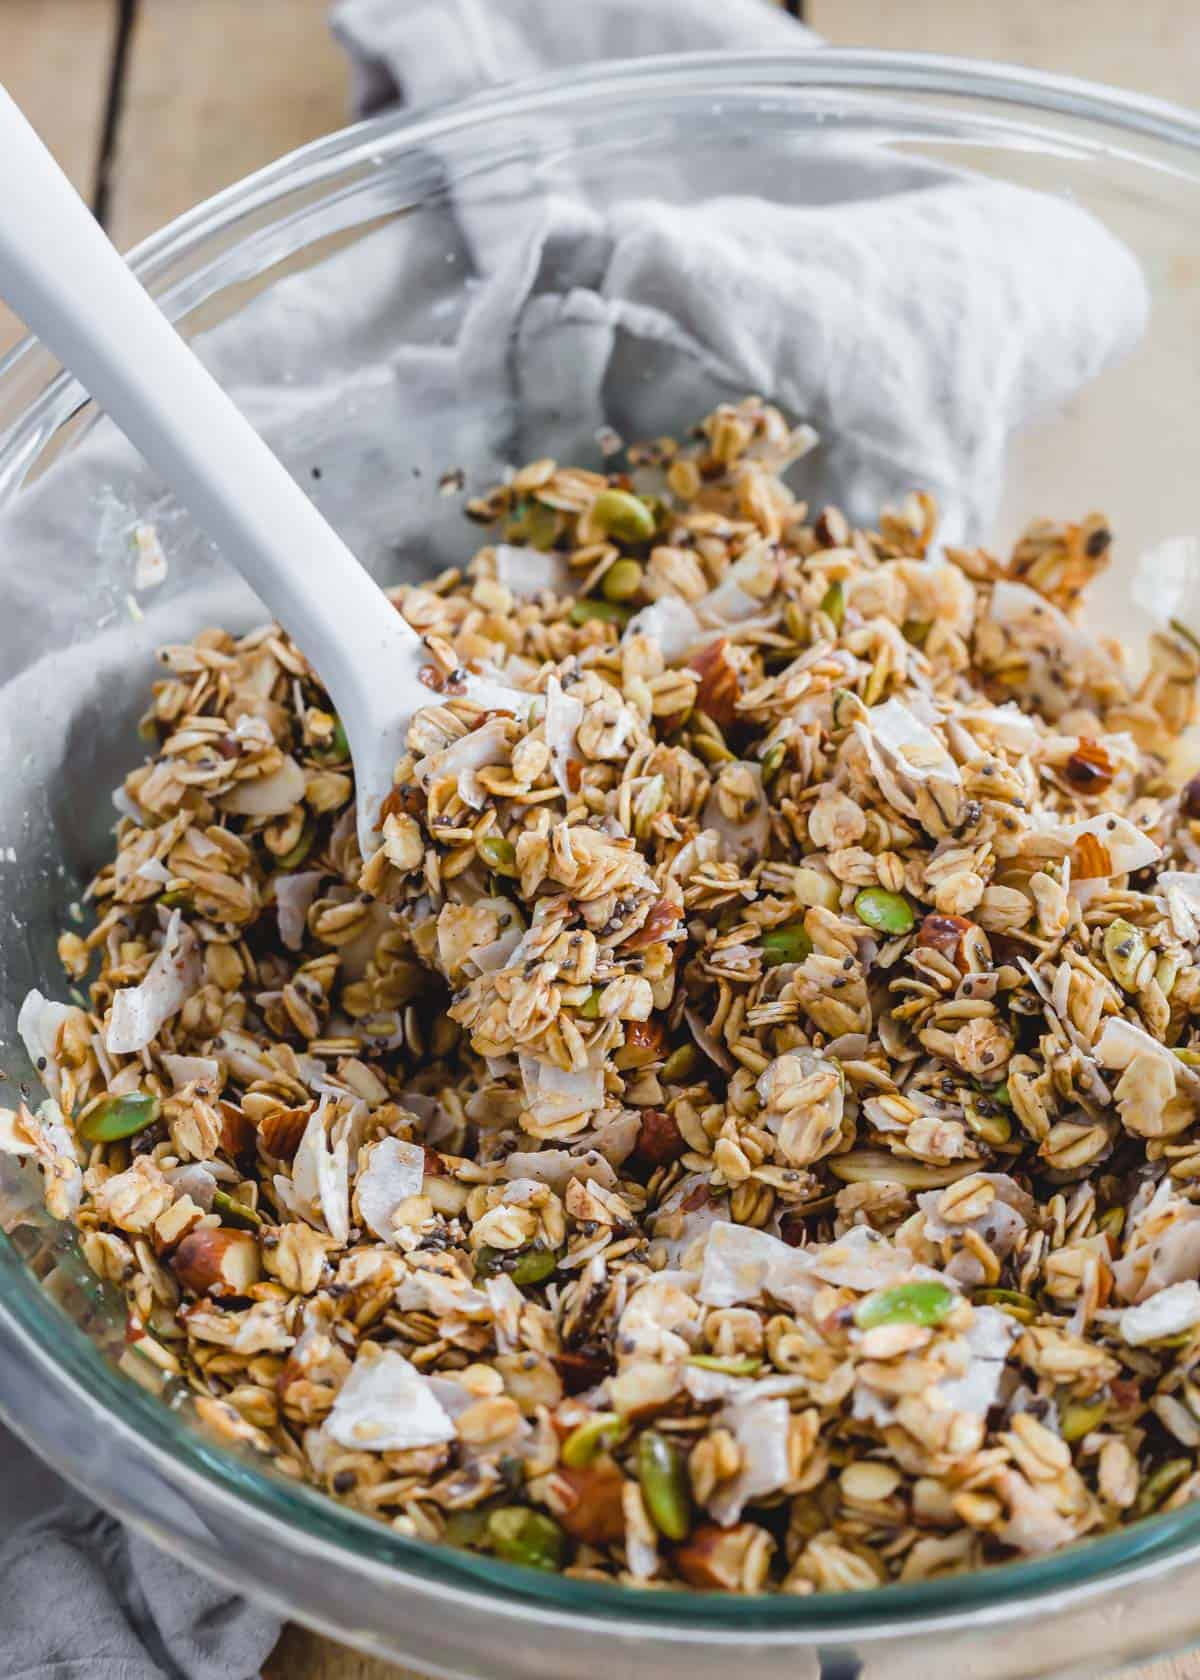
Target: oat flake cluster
(740, 1129)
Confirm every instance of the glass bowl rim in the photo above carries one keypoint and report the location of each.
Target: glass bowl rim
(300, 1515)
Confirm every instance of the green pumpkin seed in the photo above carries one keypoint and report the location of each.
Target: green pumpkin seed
(622, 581)
(499, 854)
(296, 854)
(118, 1117)
(923, 1302)
(662, 1472)
(1166, 972)
(235, 1213)
(1160, 1484)
(681, 1064)
(788, 944)
(534, 1265)
(589, 1009)
(533, 523)
(833, 603)
(600, 1433)
(519, 1535)
(986, 1120)
(176, 899)
(1125, 948)
(773, 761)
(467, 1528)
(730, 1365)
(1112, 1223)
(607, 612)
(619, 514)
(339, 744)
(1080, 1417)
(846, 709)
(1011, 1301)
(886, 912)
(525, 1266)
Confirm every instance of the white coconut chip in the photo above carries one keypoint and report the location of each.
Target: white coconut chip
(38, 1023)
(564, 714)
(553, 1094)
(745, 839)
(760, 1428)
(529, 571)
(907, 759)
(386, 1405)
(668, 622)
(989, 1338)
(139, 1012)
(320, 1177)
(294, 895)
(1166, 1313)
(390, 1171)
(1181, 891)
(183, 1070)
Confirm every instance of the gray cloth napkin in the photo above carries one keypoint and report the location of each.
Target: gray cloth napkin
(917, 316)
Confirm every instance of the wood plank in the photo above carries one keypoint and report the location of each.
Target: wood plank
(55, 62)
(215, 90)
(1152, 47)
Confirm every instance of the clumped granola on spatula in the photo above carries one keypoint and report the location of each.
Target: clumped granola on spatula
(742, 1128)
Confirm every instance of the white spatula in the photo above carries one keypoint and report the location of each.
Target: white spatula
(61, 275)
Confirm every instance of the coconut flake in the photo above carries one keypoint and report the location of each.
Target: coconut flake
(294, 895)
(745, 838)
(153, 869)
(139, 1012)
(863, 1260)
(1008, 724)
(554, 1095)
(1126, 845)
(1181, 890)
(320, 1177)
(1122, 1040)
(529, 571)
(46, 1136)
(267, 796)
(38, 1023)
(989, 1337)
(744, 1264)
(462, 759)
(915, 772)
(670, 623)
(760, 1429)
(564, 714)
(557, 1167)
(391, 1172)
(708, 1041)
(1166, 1313)
(742, 591)
(386, 1405)
(499, 952)
(182, 1070)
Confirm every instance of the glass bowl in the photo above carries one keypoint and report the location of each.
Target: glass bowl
(260, 277)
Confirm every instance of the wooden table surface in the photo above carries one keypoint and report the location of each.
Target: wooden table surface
(151, 105)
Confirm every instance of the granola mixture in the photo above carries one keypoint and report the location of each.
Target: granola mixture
(742, 1128)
